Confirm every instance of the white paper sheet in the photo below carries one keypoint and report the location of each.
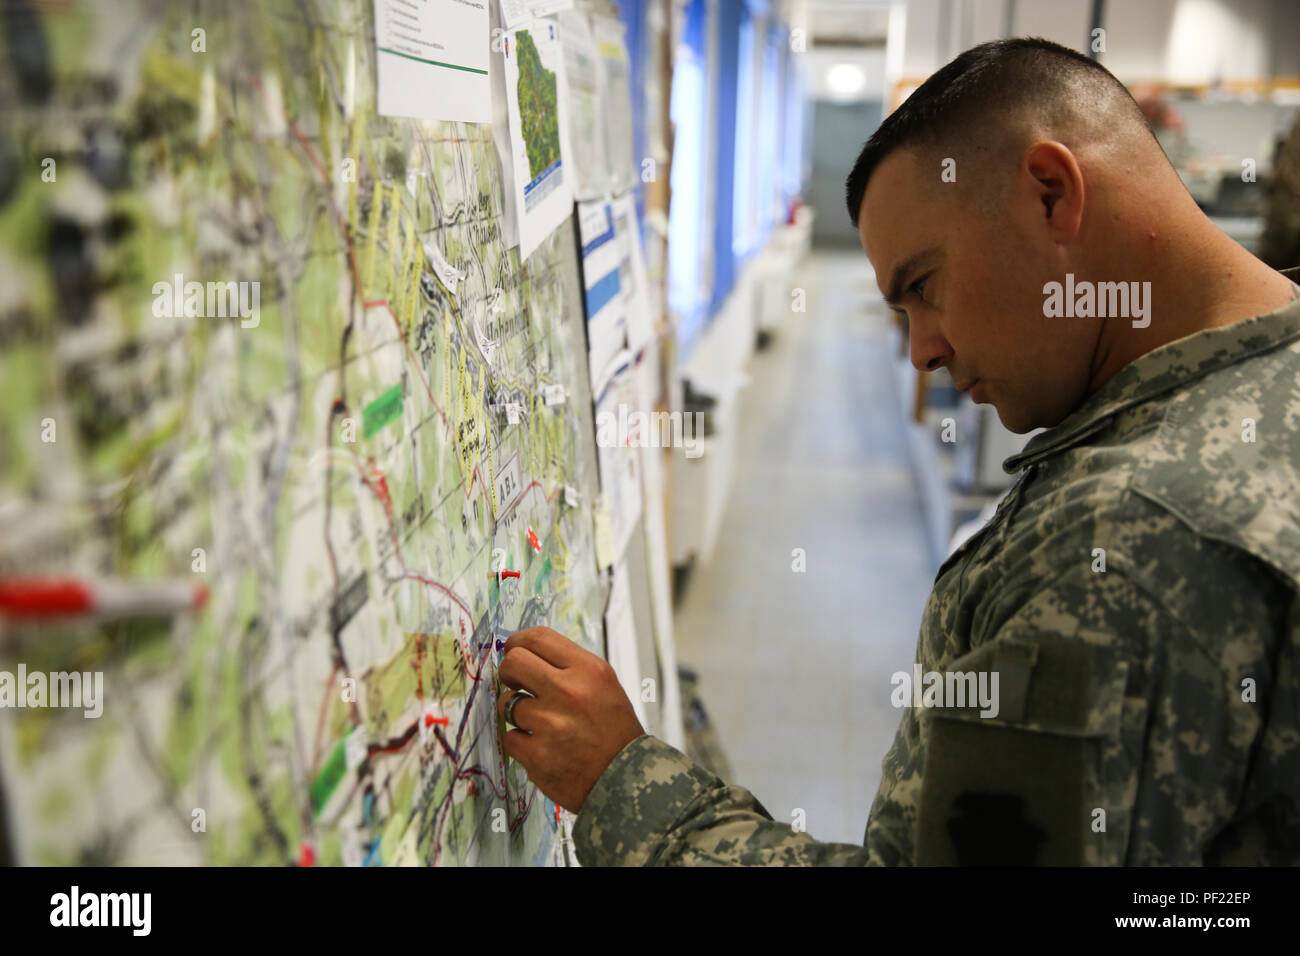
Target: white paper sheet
(620, 639)
(618, 453)
(535, 93)
(640, 322)
(432, 59)
(516, 12)
(656, 538)
(583, 71)
(624, 169)
(604, 275)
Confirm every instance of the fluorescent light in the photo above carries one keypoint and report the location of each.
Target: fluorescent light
(846, 79)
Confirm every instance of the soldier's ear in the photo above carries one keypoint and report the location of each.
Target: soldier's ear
(1050, 180)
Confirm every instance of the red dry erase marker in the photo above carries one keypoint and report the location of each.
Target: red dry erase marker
(68, 597)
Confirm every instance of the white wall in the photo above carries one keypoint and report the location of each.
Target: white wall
(1063, 21)
(1186, 42)
(1190, 42)
(937, 30)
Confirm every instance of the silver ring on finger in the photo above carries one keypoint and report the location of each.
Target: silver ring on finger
(515, 698)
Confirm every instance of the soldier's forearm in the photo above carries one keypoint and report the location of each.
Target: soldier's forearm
(655, 806)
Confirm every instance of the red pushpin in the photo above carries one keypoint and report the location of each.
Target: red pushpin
(535, 541)
(108, 598)
(307, 855)
(430, 720)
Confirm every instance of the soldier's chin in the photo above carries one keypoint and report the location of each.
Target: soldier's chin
(1015, 420)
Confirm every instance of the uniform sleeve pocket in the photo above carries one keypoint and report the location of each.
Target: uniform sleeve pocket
(1017, 776)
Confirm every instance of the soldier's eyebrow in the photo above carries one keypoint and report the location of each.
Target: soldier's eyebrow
(901, 277)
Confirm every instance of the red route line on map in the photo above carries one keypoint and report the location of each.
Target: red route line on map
(475, 473)
(386, 501)
(366, 474)
(356, 277)
(376, 303)
(503, 793)
(524, 812)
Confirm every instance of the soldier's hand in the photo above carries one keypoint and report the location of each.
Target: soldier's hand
(579, 722)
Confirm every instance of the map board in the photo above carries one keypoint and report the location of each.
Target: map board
(260, 337)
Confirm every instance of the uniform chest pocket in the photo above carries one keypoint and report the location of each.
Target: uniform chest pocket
(1019, 778)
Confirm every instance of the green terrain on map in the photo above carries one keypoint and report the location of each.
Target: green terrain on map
(538, 110)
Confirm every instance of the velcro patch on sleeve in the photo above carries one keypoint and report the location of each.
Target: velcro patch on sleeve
(1021, 788)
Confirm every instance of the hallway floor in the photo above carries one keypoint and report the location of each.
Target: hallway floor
(795, 667)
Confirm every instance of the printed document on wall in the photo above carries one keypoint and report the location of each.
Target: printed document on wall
(432, 59)
(535, 95)
(605, 274)
(636, 291)
(620, 639)
(586, 106)
(515, 12)
(623, 168)
(622, 429)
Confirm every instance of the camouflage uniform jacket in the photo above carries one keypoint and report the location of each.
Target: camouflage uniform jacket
(1149, 712)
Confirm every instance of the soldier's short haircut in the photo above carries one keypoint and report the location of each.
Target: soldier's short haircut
(989, 92)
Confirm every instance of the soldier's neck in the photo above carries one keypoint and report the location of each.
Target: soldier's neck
(1200, 279)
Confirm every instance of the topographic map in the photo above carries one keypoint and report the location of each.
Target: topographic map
(538, 107)
(258, 337)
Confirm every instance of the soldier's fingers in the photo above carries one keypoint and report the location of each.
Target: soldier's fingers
(520, 667)
(551, 646)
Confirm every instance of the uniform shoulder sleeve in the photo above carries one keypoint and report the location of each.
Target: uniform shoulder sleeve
(1121, 733)
(654, 806)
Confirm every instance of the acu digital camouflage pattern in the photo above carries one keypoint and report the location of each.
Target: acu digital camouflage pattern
(1121, 690)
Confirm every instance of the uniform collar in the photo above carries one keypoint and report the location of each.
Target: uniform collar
(1164, 369)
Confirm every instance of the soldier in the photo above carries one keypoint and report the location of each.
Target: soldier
(1135, 592)
(1280, 243)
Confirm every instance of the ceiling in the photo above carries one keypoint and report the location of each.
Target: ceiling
(847, 22)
